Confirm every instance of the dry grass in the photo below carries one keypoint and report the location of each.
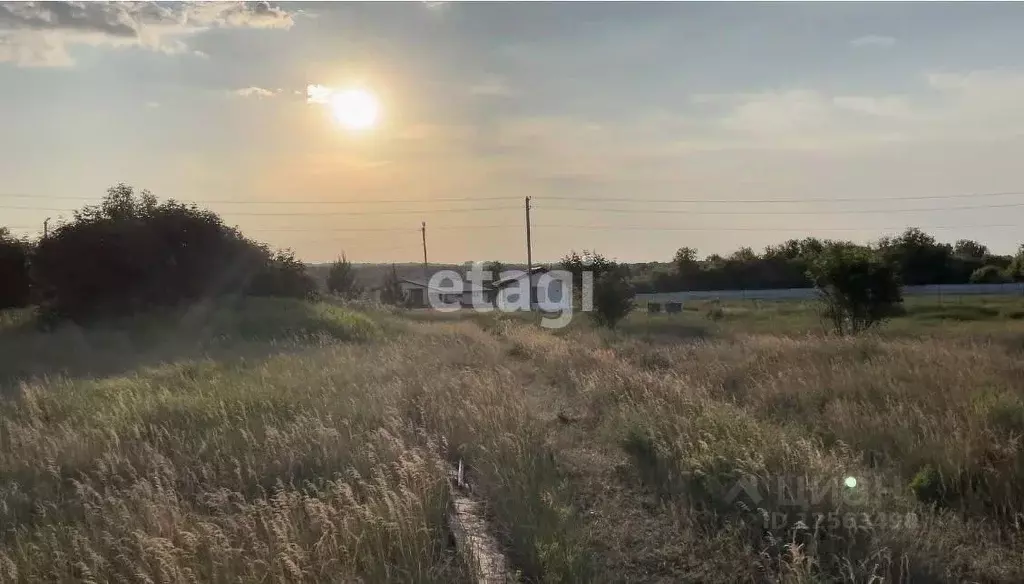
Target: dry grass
(600, 457)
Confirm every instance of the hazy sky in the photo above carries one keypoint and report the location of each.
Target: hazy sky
(876, 104)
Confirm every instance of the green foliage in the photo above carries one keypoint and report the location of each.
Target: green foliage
(927, 485)
(131, 254)
(989, 275)
(15, 284)
(858, 291)
(613, 298)
(685, 256)
(967, 248)
(1016, 268)
(281, 274)
(918, 257)
(341, 279)
(589, 261)
(272, 319)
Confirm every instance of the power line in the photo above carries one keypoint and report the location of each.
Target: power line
(311, 213)
(594, 209)
(339, 229)
(548, 198)
(282, 202)
(772, 229)
(747, 212)
(793, 200)
(390, 229)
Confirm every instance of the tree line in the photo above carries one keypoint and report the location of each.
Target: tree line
(133, 253)
(917, 257)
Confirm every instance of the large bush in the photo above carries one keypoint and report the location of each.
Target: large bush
(613, 298)
(613, 294)
(989, 275)
(858, 291)
(15, 289)
(132, 253)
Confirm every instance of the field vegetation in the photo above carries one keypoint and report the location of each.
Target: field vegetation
(283, 440)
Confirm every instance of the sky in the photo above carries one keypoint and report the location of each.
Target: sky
(635, 128)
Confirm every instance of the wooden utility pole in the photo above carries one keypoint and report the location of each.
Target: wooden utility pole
(529, 256)
(423, 229)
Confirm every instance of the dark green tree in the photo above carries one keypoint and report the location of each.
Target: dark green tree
(613, 297)
(131, 253)
(967, 248)
(15, 283)
(858, 290)
(1016, 268)
(918, 257)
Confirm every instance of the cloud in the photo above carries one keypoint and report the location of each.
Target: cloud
(318, 93)
(883, 106)
(492, 86)
(36, 34)
(873, 40)
(152, 104)
(254, 91)
(974, 105)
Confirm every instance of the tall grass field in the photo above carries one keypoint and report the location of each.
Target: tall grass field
(284, 441)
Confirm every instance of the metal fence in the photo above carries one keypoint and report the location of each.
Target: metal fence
(938, 291)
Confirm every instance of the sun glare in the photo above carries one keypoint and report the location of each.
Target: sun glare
(355, 109)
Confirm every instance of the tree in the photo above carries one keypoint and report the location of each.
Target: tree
(578, 264)
(967, 248)
(282, 274)
(341, 279)
(588, 261)
(989, 275)
(15, 283)
(1016, 268)
(685, 256)
(743, 254)
(613, 297)
(391, 292)
(131, 253)
(918, 257)
(858, 290)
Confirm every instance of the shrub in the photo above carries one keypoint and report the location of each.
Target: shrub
(341, 279)
(281, 274)
(989, 275)
(858, 291)
(15, 289)
(131, 253)
(613, 298)
(928, 486)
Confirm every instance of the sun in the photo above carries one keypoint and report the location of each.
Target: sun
(355, 109)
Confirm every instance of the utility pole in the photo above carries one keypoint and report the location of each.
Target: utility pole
(423, 229)
(529, 256)
(46, 227)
